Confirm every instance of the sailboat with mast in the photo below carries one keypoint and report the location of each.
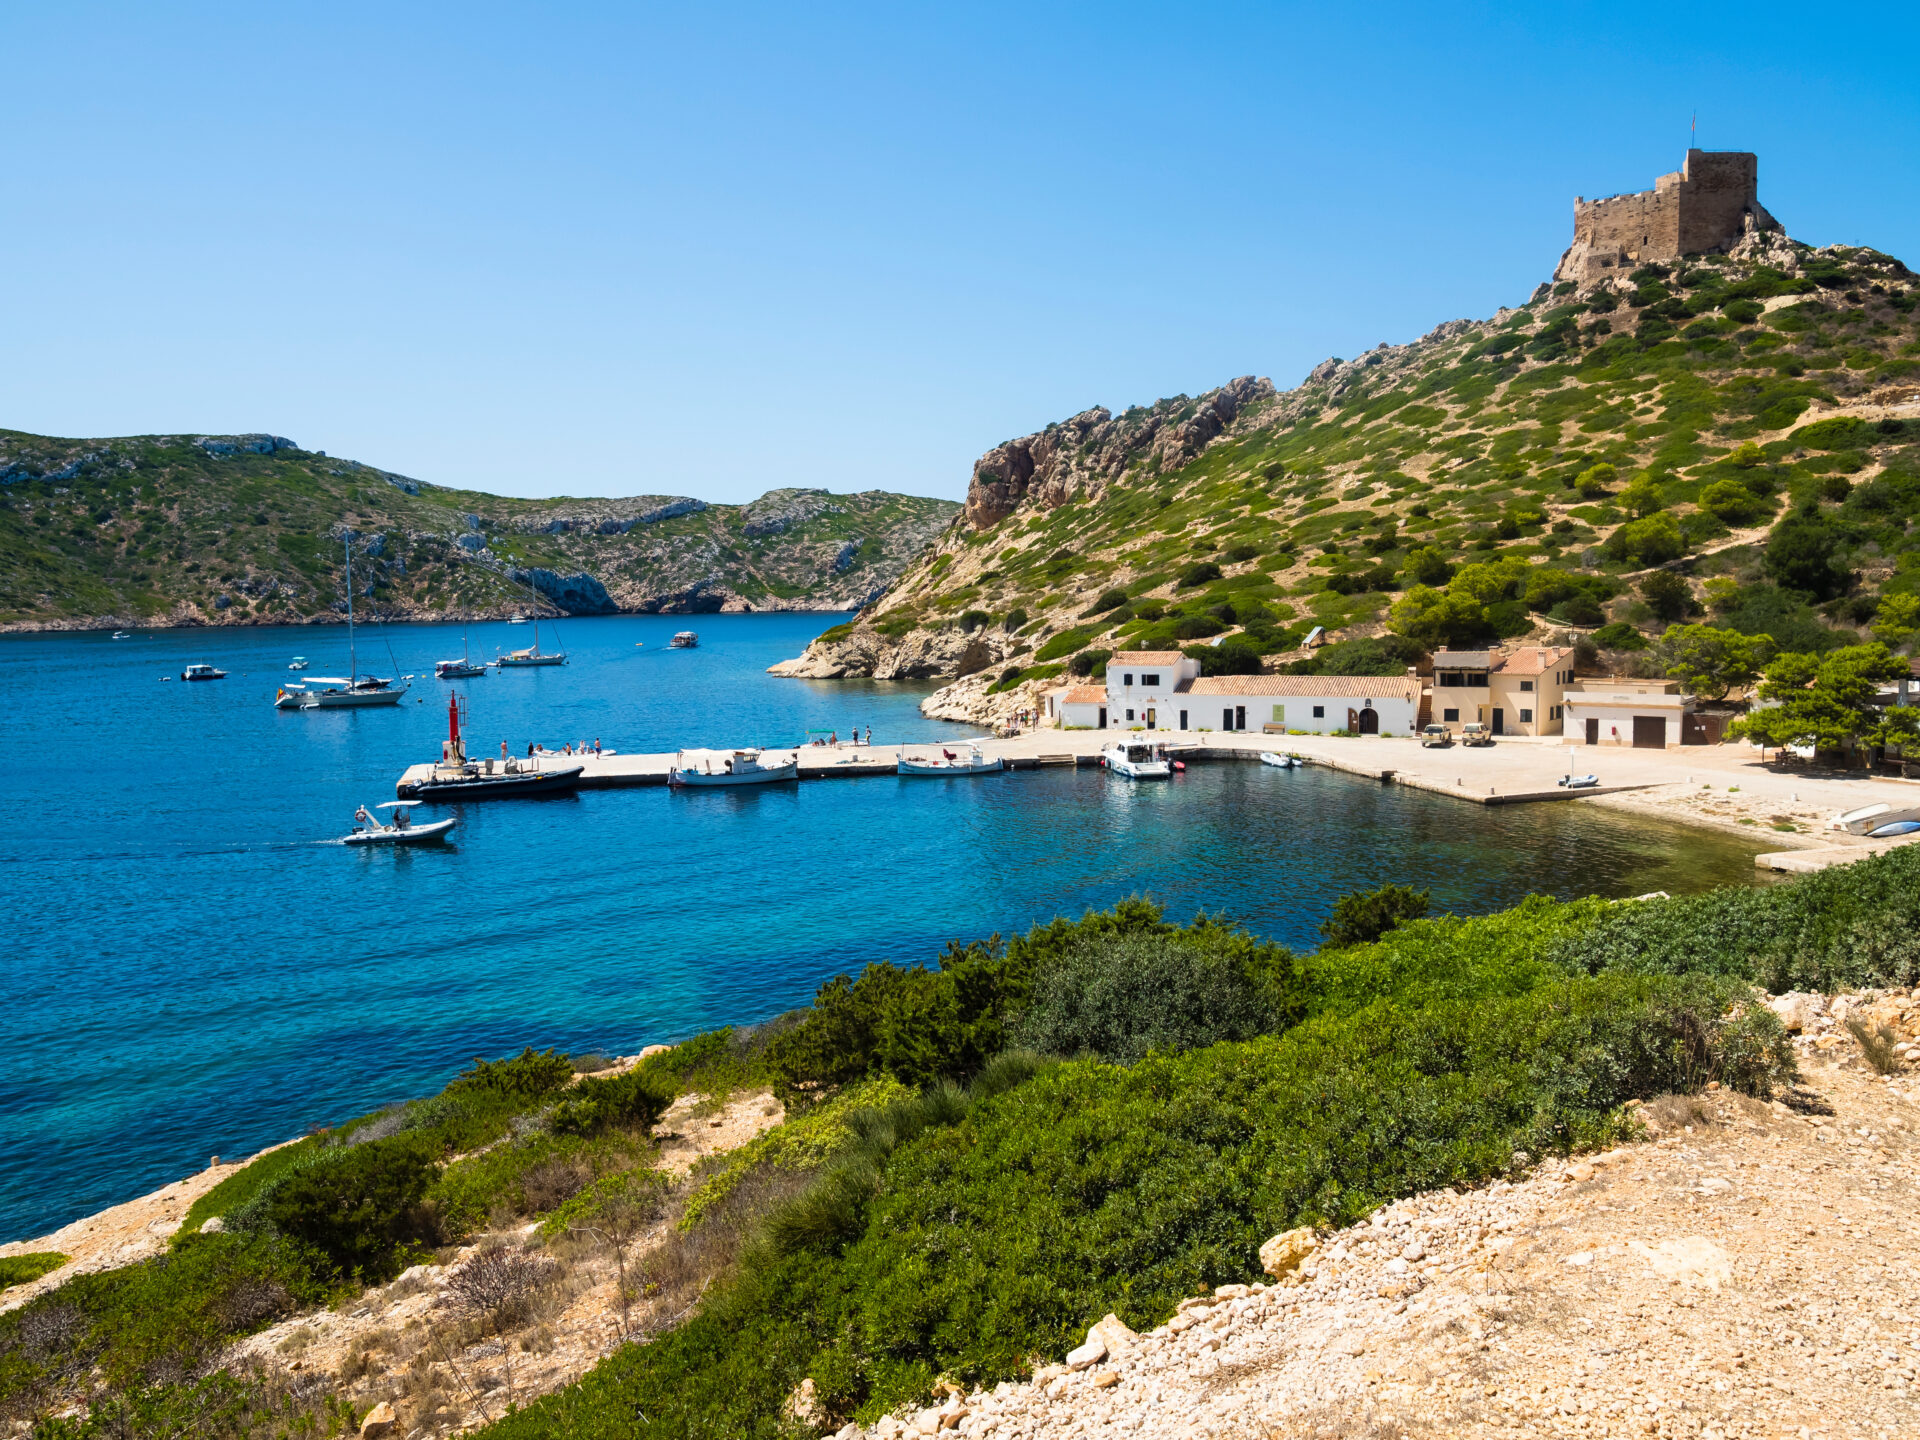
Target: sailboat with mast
(461, 669)
(533, 654)
(336, 692)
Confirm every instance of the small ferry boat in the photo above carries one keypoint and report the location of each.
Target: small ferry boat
(400, 830)
(685, 640)
(970, 763)
(730, 767)
(202, 672)
(299, 662)
(1137, 760)
(1869, 819)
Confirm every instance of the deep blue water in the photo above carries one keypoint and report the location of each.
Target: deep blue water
(192, 970)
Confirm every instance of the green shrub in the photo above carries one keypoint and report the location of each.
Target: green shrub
(1240, 554)
(239, 1188)
(1363, 916)
(1122, 997)
(834, 633)
(1016, 617)
(972, 620)
(1068, 641)
(633, 1100)
(355, 1207)
(1236, 655)
(1652, 541)
(24, 1269)
(1805, 552)
(1733, 502)
(1619, 636)
(1669, 597)
(1199, 573)
(1089, 662)
(1109, 600)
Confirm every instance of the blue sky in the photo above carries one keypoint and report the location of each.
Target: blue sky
(599, 250)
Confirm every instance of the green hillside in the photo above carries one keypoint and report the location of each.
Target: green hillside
(177, 529)
(1748, 425)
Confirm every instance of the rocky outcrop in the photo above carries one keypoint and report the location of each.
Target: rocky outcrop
(778, 511)
(917, 655)
(1083, 455)
(579, 594)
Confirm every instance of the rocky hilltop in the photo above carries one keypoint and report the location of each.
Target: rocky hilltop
(1529, 471)
(247, 529)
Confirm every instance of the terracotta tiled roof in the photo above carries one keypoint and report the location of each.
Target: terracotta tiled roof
(1384, 687)
(1534, 660)
(1084, 695)
(1145, 657)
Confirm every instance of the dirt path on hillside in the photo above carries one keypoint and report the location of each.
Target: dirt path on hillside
(1750, 1272)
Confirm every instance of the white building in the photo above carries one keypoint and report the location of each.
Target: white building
(1643, 714)
(1163, 690)
(1317, 704)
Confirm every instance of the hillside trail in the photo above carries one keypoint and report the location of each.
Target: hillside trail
(1748, 1272)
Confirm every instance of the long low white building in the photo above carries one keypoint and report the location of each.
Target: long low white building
(1641, 714)
(1163, 690)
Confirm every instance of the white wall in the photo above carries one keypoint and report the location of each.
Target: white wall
(1397, 716)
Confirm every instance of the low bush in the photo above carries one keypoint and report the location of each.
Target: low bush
(1619, 636)
(356, 1208)
(1362, 917)
(1199, 573)
(240, 1188)
(24, 1269)
(630, 1101)
(1122, 997)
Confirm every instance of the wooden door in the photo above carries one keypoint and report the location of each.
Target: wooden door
(1649, 732)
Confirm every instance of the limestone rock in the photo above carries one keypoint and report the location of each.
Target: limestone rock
(1282, 1255)
(803, 1404)
(380, 1421)
(1091, 1353)
(213, 1225)
(1114, 1333)
(1797, 1010)
(648, 1052)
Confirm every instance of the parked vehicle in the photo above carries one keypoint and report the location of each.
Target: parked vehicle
(1435, 737)
(1474, 733)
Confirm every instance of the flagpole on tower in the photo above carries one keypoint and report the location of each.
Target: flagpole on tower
(1693, 132)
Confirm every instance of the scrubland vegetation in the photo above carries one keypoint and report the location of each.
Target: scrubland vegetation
(982, 1155)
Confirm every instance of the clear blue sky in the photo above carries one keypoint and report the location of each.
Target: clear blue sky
(613, 249)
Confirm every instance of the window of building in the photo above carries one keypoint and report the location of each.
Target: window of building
(1451, 717)
(1526, 685)
(1129, 714)
(1127, 680)
(1279, 714)
(1319, 712)
(1526, 717)
(1149, 679)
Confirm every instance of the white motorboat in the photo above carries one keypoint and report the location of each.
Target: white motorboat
(299, 662)
(461, 669)
(1869, 818)
(970, 763)
(1137, 760)
(516, 619)
(352, 691)
(731, 767)
(1578, 782)
(202, 672)
(123, 634)
(684, 640)
(1279, 761)
(400, 830)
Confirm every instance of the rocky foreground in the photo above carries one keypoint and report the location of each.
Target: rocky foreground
(1749, 1272)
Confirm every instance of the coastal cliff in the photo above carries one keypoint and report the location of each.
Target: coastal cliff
(247, 529)
(1746, 425)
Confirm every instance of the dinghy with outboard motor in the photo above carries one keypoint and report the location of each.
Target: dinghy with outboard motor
(399, 829)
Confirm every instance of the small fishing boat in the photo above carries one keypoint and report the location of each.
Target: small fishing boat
(730, 767)
(299, 662)
(123, 634)
(1279, 761)
(970, 763)
(685, 640)
(400, 830)
(1869, 818)
(1137, 760)
(202, 672)
(1896, 827)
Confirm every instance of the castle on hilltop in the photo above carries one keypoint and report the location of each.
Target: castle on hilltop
(1709, 204)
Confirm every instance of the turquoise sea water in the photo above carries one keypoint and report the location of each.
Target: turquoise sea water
(192, 970)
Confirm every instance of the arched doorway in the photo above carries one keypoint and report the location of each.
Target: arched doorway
(1369, 721)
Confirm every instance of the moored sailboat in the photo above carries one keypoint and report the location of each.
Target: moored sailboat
(335, 692)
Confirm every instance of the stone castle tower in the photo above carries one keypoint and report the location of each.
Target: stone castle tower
(1710, 203)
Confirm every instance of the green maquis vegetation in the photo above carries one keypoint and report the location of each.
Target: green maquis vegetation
(246, 529)
(1704, 440)
(983, 1155)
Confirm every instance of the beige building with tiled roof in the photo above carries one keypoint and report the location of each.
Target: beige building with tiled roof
(1523, 692)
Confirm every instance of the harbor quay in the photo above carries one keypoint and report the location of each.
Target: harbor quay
(1723, 786)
